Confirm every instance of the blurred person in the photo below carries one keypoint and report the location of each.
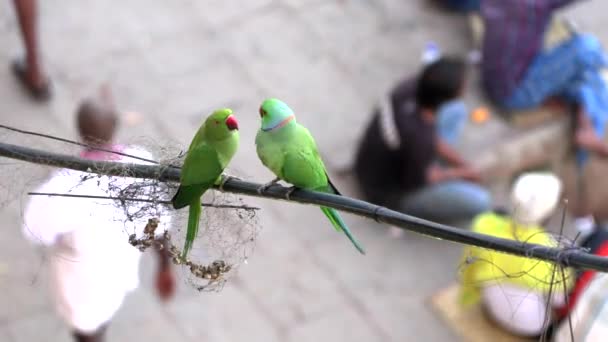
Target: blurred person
(518, 74)
(514, 290)
(29, 70)
(405, 159)
(589, 317)
(93, 265)
(587, 301)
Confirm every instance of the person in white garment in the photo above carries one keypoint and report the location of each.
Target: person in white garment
(93, 265)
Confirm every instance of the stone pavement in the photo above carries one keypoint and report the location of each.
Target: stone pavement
(173, 61)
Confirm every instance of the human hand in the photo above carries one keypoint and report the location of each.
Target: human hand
(470, 174)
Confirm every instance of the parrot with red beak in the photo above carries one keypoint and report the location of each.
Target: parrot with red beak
(209, 153)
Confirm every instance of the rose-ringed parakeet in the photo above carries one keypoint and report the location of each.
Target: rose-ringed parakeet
(209, 153)
(290, 152)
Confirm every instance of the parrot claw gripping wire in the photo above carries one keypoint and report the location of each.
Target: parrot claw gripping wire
(290, 192)
(267, 185)
(226, 178)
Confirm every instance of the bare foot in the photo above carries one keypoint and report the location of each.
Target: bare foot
(37, 85)
(587, 139)
(555, 103)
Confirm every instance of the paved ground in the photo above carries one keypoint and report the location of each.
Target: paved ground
(173, 61)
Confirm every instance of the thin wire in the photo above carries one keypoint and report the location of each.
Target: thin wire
(547, 318)
(566, 295)
(144, 200)
(68, 141)
(567, 300)
(575, 258)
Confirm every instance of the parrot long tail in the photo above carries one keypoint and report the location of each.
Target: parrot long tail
(340, 226)
(193, 220)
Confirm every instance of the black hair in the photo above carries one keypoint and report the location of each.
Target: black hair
(440, 82)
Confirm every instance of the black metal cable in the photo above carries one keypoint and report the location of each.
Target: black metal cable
(570, 257)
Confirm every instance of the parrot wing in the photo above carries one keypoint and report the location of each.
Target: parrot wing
(303, 166)
(201, 169)
(199, 138)
(331, 186)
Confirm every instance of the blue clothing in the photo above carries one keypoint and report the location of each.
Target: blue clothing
(447, 201)
(571, 70)
(451, 119)
(513, 37)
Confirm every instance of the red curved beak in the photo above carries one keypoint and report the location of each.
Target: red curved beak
(232, 123)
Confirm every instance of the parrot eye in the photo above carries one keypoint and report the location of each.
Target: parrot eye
(217, 122)
(262, 112)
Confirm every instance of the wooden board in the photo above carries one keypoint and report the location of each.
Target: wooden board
(470, 324)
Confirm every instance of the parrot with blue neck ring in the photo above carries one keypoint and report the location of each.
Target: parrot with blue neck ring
(290, 152)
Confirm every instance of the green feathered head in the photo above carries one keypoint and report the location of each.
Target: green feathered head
(221, 124)
(275, 114)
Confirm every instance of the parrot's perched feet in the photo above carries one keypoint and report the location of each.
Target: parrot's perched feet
(268, 185)
(226, 178)
(289, 192)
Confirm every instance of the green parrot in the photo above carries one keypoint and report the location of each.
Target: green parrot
(209, 153)
(290, 152)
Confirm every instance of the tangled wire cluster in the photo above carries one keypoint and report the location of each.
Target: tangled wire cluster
(228, 227)
(227, 230)
(214, 274)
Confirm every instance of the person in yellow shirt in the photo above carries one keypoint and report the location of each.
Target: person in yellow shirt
(514, 290)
